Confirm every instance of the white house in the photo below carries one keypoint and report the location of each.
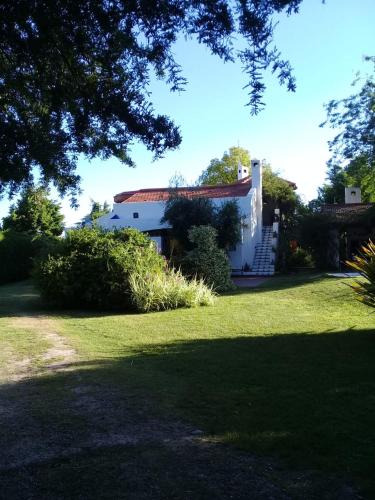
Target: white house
(143, 209)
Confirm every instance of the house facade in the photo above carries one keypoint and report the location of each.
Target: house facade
(143, 209)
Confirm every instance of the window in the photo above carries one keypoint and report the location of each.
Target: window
(135, 215)
(115, 217)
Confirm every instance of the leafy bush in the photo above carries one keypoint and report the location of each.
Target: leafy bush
(183, 213)
(364, 263)
(207, 261)
(16, 253)
(158, 292)
(299, 258)
(92, 268)
(228, 224)
(315, 235)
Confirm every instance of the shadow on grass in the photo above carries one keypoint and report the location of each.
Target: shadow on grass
(307, 399)
(22, 298)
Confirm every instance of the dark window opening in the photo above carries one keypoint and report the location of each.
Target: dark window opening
(115, 217)
(135, 215)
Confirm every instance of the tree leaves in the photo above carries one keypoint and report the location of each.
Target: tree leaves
(74, 76)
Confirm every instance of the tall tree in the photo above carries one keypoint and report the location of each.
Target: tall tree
(276, 191)
(353, 148)
(74, 75)
(224, 171)
(35, 213)
(97, 210)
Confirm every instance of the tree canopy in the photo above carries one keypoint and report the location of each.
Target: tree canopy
(35, 213)
(276, 191)
(183, 213)
(353, 148)
(224, 171)
(74, 75)
(97, 210)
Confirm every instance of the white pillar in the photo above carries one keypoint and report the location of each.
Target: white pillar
(256, 183)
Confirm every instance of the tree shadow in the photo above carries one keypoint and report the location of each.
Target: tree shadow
(103, 427)
(22, 298)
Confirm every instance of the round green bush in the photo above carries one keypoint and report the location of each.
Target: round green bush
(91, 268)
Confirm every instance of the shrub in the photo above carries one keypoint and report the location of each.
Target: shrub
(184, 213)
(158, 292)
(299, 258)
(315, 234)
(228, 224)
(92, 268)
(16, 253)
(207, 261)
(364, 263)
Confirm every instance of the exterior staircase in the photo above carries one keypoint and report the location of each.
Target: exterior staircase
(264, 259)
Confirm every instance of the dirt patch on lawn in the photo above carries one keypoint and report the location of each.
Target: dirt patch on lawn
(58, 356)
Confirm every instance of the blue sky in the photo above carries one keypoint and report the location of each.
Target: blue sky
(325, 44)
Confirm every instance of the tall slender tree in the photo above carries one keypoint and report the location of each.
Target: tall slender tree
(353, 148)
(35, 213)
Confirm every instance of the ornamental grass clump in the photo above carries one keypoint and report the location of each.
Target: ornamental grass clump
(169, 290)
(364, 263)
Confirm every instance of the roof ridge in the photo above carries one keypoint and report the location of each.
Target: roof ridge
(187, 188)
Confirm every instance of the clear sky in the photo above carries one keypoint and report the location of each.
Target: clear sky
(325, 44)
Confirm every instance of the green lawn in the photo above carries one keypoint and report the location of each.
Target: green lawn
(286, 370)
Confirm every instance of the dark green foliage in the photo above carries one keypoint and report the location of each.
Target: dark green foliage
(16, 253)
(228, 225)
(206, 260)
(92, 268)
(74, 75)
(277, 192)
(35, 213)
(183, 213)
(334, 191)
(300, 258)
(315, 235)
(224, 171)
(97, 210)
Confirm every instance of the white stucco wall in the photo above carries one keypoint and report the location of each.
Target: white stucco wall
(150, 213)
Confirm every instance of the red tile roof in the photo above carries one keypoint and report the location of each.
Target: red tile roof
(237, 189)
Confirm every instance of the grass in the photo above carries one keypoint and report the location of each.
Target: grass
(284, 370)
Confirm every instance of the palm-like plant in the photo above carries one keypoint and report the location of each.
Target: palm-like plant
(364, 263)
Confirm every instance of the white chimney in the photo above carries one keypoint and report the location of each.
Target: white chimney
(352, 195)
(256, 183)
(242, 172)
